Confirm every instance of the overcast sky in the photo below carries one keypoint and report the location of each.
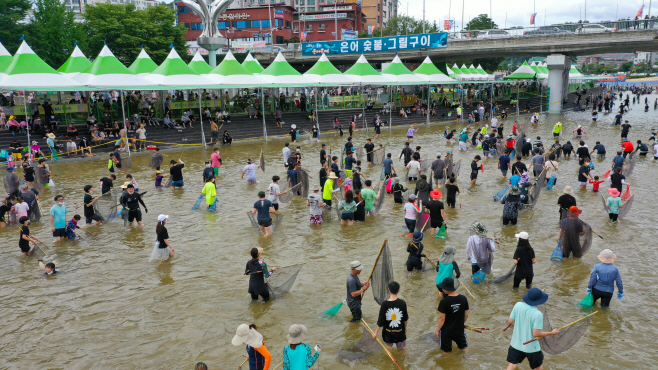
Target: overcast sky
(518, 12)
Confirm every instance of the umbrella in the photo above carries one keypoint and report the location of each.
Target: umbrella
(143, 64)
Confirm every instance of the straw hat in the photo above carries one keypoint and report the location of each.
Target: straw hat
(613, 192)
(606, 256)
(332, 175)
(296, 333)
(568, 190)
(246, 335)
(50, 135)
(125, 185)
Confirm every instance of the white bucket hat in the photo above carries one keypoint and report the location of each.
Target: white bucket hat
(246, 335)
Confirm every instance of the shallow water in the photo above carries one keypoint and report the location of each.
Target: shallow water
(110, 308)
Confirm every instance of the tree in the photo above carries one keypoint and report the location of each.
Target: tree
(54, 32)
(12, 25)
(481, 22)
(625, 67)
(404, 25)
(126, 30)
(490, 64)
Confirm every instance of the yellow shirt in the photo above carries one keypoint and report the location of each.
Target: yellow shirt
(557, 129)
(210, 190)
(328, 187)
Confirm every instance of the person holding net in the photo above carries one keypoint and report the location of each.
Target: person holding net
(528, 323)
(415, 250)
(479, 249)
(453, 313)
(603, 278)
(264, 208)
(314, 201)
(571, 229)
(355, 290)
(447, 266)
(258, 271)
(393, 318)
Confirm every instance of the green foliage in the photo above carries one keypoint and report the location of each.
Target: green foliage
(11, 13)
(126, 30)
(481, 22)
(489, 64)
(53, 32)
(292, 40)
(626, 67)
(402, 25)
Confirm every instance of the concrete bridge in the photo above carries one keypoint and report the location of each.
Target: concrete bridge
(568, 44)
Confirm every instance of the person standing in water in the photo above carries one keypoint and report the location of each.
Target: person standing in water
(25, 238)
(355, 290)
(393, 318)
(250, 170)
(162, 250)
(263, 207)
(130, 201)
(524, 258)
(89, 200)
(58, 219)
(258, 271)
(210, 191)
(176, 172)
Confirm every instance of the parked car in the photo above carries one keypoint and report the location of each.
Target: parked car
(593, 28)
(545, 30)
(493, 34)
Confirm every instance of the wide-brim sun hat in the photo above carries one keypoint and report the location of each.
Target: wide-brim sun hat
(418, 237)
(606, 256)
(478, 228)
(435, 194)
(568, 189)
(448, 284)
(613, 192)
(535, 297)
(332, 176)
(296, 333)
(246, 335)
(50, 135)
(448, 255)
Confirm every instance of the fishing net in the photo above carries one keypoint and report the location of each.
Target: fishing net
(449, 166)
(504, 278)
(571, 241)
(41, 178)
(276, 221)
(382, 274)
(342, 161)
(425, 165)
(360, 154)
(422, 223)
(500, 147)
(262, 161)
(535, 190)
(628, 170)
(281, 281)
(11, 183)
(457, 167)
(366, 346)
(381, 194)
(39, 251)
(302, 179)
(519, 143)
(605, 205)
(626, 207)
(327, 215)
(378, 157)
(34, 212)
(287, 197)
(126, 162)
(567, 338)
(482, 253)
(156, 160)
(107, 206)
(168, 183)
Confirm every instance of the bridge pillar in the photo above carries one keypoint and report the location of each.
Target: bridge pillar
(558, 76)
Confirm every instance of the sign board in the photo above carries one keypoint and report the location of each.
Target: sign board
(377, 44)
(267, 35)
(338, 8)
(311, 17)
(349, 35)
(255, 35)
(278, 13)
(233, 16)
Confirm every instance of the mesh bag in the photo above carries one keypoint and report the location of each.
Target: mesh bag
(504, 278)
(382, 274)
(626, 207)
(40, 178)
(567, 338)
(262, 161)
(519, 143)
(381, 193)
(425, 165)
(107, 206)
(302, 179)
(366, 346)
(360, 154)
(156, 160)
(287, 197)
(628, 170)
(281, 281)
(378, 157)
(127, 162)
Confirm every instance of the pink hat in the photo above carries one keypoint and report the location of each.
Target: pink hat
(614, 192)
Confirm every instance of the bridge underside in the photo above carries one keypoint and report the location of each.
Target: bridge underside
(572, 45)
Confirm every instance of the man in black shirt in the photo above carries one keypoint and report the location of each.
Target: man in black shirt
(518, 168)
(407, 152)
(334, 166)
(624, 129)
(292, 160)
(526, 148)
(323, 173)
(176, 172)
(436, 210)
(474, 169)
(582, 152)
(130, 201)
(349, 147)
(583, 175)
(323, 153)
(393, 317)
(89, 201)
(452, 190)
(107, 184)
(25, 238)
(565, 201)
(369, 147)
(453, 313)
(117, 155)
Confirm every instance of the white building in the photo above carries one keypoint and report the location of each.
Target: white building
(78, 6)
(645, 57)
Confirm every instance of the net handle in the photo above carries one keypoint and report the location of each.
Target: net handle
(243, 362)
(564, 327)
(432, 262)
(365, 325)
(595, 233)
(376, 260)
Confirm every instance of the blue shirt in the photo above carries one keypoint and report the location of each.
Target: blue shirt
(504, 162)
(348, 162)
(514, 180)
(600, 149)
(526, 318)
(292, 176)
(388, 162)
(263, 207)
(618, 161)
(59, 213)
(603, 278)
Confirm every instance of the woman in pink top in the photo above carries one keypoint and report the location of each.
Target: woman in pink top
(13, 125)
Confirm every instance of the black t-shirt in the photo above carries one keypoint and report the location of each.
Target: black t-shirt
(28, 172)
(584, 170)
(625, 127)
(106, 184)
(176, 172)
(524, 266)
(349, 147)
(518, 168)
(164, 235)
(566, 201)
(567, 147)
(349, 162)
(451, 189)
(263, 207)
(335, 169)
(615, 181)
(435, 207)
(582, 152)
(455, 310)
(22, 243)
(394, 330)
(89, 211)
(323, 153)
(474, 168)
(369, 148)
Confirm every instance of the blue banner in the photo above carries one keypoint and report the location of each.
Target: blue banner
(376, 44)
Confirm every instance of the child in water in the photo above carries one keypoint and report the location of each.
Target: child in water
(71, 226)
(158, 179)
(49, 268)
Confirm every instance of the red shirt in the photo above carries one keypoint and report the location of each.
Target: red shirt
(510, 143)
(595, 187)
(514, 128)
(628, 146)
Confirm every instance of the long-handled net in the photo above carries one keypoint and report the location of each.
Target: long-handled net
(567, 338)
(425, 165)
(382, 274)
(167, 184)
(127, 162)
(281, 281)
(378, 156)
(504, 278)
(449, 166)
(34, 211)
(626, 207)
(381, 194)
(605, 205)
(107, 206)
(457, 167)
(302, 178)
(359, 153)
(262, 161)
(327, 213)
(422, 223)
(41, 178)
(290, 195)
(572, 241)
(342, 161)
(276, 221)
(519, 143)
(628, 170)
(156, 160)
(11, 183)
(500, 147)
(366, 346)
(39, 251)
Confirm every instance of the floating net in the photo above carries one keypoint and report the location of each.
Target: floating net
(107, 206)
(573, 242)
(302, 179)
(156, 160)
(567, 338)
(425, 165)
(366, 346)
(381, 193)
(519, 143)
(449, 166)
(382, 274)
(287, 197)
(628, 170)
(626, 207)
(360, 154)
(281, 281)
(262, 161)
(378, 156)
(127, 162)
(504, 278)
(276, 221)
(41, 178)
(11, 183)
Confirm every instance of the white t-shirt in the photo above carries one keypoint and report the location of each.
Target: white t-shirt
(141, 133)
(250, 170)
(414, 167)
(286, 154)
(274, 189)
(494, 123)
(21, 208)
(655, 149)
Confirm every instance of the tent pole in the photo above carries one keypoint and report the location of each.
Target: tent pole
(491, 102)
(517, 99)
(262, 100)
(123, 111)
(540, 98)
(363, 108)
(427, 111)
(203, 136)
(29, 150)
(317, 119)
(390, 107)
(461, 102)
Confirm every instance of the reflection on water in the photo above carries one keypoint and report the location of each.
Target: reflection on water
(116, 310)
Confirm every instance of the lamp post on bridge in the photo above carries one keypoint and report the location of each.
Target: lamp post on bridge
(211, 39)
